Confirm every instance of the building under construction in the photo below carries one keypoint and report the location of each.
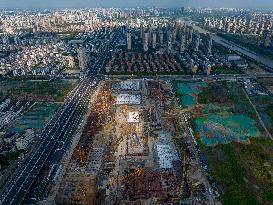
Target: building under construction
(132, 149)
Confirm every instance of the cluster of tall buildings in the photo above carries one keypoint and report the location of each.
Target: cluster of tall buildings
(48, 42)
(83, 58)
(210, 10)
(239, 24)
(250, 25)
(171, 38)
(141, 12)
(49, 54)
(58, 21)
(163, 46)
(72, 20)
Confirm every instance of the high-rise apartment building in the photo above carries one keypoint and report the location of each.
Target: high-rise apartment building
(182, 43)
(83, 58)
(154, 40)
(196, 42)
(129, 40)
(170, 43)
(146, 42)
(208, 43)
(161, 37)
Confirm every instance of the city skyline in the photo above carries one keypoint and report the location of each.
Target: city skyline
(264, 4)
(136, 102)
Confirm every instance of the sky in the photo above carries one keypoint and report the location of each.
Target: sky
(261, 4)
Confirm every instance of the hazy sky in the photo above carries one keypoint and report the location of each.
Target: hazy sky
(134, 3)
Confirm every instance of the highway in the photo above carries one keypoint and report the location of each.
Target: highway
(54, 133)
(195, 77)
(232, 46)
(57, 135)
(57, 154)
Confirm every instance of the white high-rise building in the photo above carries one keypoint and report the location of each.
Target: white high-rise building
(170, 43)
(129, 41)
(150, 35)
(154, 40)
(83, 59)
(183, 43)
(161, 37)
(146, 42)
(141, 30)
(208, 43)
(71, 62)
(190, 33)
(196, 42)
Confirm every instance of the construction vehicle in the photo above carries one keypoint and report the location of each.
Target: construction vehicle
(81, 155)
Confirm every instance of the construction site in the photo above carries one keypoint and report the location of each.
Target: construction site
(135, 148)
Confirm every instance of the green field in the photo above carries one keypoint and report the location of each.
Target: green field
(54, 90)
(243, 171)
(225, 70)
(264, 105)
(238, 152)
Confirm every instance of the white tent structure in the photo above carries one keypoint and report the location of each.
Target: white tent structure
(128, 99)
(133, 117)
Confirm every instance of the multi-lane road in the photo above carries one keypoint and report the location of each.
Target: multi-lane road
(54, 132)
(196, 77)
(15, 192)
(58, 133)
(232, 46)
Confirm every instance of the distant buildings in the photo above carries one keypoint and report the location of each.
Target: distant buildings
(129, 41)
(165, 37)
(33, 42)
(161, 37)
(182, 43)
(189, 34)
(146, 42)
(249, 24)
(196, 42)
(170, 43)
(83, 58)
(154, 40)
(141, 31)
(252, 23)
(267, 39)
(208, 43)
